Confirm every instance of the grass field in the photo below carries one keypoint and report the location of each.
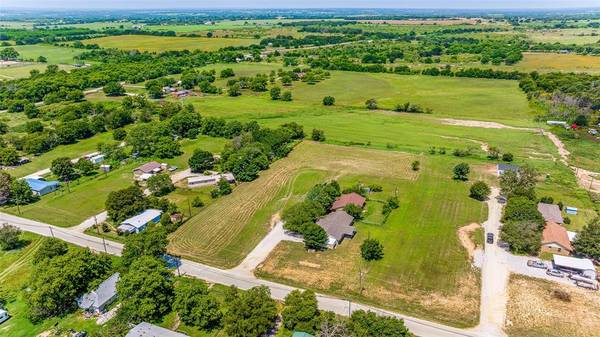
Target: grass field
(417, 237)
(53, 54)
(548, 62)
(534, 311)
(566, 36)
(164, 43)
(23, 70)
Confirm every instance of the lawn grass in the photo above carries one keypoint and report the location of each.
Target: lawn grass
(23, 70)
(164, 43)
(417, 237)
(53, 54)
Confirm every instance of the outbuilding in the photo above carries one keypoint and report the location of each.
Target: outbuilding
(42, 187)
(140, 222)
(348, 199)
(206, 180)
(4, 316)
(96, 301)
(585, 267)
(150, 330)
(502, 168)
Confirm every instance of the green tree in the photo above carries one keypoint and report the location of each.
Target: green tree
(286, 96)
(8, 54)
(371, 250)
(318, 135)
(328, 100)
(21, 193)
(415, 165)
(368, 324)
(119, 134)
(146, 290)
(160, 184)
(63, 168)
(151, 242)
(250, 313)
(275, 93)
(234, 90)
(519, 183)
(3, 128)
(201, 161)
(301, 312)
(85, 167)
(522, 236)
(9, 237)
(195, 305)
(113, 89)
(5, 186)
(587, 241)
(8, 156)
(520, 208)
(354, 210)
(371, 104)
(125, 203)
(314, 236)
(461, 172)
(227, 72)
(480, 191)
(50, 248)
(507, 157)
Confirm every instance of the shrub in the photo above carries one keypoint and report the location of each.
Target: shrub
(415, 165)
(286, 96)
(547, 200)
(318, 135)
(375, 188)
(561, 295)
(328, 100)
(461, 172)
(390, 204)
(567, 220)
(371, 104)
(371, 250)
(480, 191)
(507, 157)
(354, 210)
(197, 202)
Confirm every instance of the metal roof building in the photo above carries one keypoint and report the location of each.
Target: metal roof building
(139, 222)
(97, 300)
(149, 330)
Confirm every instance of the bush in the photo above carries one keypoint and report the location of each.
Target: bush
(318, 135)
(119, 134)
(461, 172)
(328, 100)
(480, 191)
(415, 165)
(561, 295)
(275, 93)
(375, 188)
(547, 200)
(197, 202)
(315, 237)
(507, 157)
(9, 237)
(371, 104)
(567, 220)
(354, 210)
(371, 250)
(286, 96)
(391, 204)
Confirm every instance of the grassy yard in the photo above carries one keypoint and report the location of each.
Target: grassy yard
(164, 43)
(425, 271)
(534, 310)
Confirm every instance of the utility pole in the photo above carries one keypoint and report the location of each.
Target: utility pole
(51, 232)
(591, 182)
(349, 308)
(189, 207)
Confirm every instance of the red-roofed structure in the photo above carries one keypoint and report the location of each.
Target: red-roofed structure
(347, 199)
(555, 239)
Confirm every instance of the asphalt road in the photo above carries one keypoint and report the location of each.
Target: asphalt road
(238, 277)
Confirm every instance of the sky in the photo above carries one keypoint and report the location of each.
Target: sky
(142, 4)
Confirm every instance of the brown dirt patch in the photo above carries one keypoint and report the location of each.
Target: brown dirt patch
(534, 311)
(309, 264)
(464, 235)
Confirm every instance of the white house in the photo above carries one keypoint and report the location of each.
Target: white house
(205, 180)
(139, 222)
(97, 159)
(583, 266)
(97, 300)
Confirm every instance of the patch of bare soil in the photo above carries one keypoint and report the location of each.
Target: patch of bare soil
(534, 309)
(588, 179)
(309, 264)
(464, 235)
(484, 146)
(274, 220)
(479, 124)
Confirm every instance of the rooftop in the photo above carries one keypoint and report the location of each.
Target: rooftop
(550, 212)
(507, 167)
(346, 199)
(148, 330)
(143, 218)
(105, 292)
(573, 262)
(337, 224)
(38, 185)
(555, 233)
(149, 167)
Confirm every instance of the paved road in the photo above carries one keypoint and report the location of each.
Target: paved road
(241, 279)
(494, 275)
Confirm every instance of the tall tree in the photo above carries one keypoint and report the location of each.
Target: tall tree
(301, 312)
(195, 305)
(250, 313)
(152, 242)
(587, 241)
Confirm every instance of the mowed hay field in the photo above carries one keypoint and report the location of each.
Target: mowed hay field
(566, 36)
(223, 233)
(164, 43)
(425, 271)
(534, 310)
(549, 62)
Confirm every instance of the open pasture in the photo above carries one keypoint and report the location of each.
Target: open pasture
(23, 70)
(164, 43)
(566, 36)
(551, 62)
(425, 271)
(224, 232)
(53, 54)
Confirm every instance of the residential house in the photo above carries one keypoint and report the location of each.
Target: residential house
(550, 212)
(338, 226)
(148, 170)
(97, 159)
(584, 267)
(140, 222)
(149, 330)
(501, 168)
(42, 187)
(212, 179)
(347, 199)
(96, 301)
(4, 316)
(555, 239)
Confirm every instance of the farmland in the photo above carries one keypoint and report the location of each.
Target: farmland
(53, 54)
(566, 36)
(164, 43)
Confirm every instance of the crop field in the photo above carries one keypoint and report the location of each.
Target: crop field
(23, 70)
(566, 36)
(53, 54)
(533, 310)
(416, 238)
(223, 233)
(164, 43)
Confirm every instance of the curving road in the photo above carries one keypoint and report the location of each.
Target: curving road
(239, 277)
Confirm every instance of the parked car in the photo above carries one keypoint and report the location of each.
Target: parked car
(593, 132)
(490, 238)
(587, 285)
(537, 264)
(555, 273)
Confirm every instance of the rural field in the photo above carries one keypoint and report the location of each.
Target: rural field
(534, 309)
(567, 36)
(23, 70)
(226, 231)
(53, 54)
(551, 62)
(163, 43)
(416, 238)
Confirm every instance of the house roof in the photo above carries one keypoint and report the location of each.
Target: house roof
(38, 185)
(149, 330)
(573, 262)
(555, 233)
(143, 218)
(301, 334)
(347, 199)
(149, 167)
(337, 224)
(105, 293)
(507, 167)
(210, 178)
(550, 212)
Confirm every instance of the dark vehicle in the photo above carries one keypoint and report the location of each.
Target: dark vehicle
(490, 238)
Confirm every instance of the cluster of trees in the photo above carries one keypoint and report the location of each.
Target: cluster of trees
(407, 107)
(15, 191)
(122, 204)
(301, 217)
